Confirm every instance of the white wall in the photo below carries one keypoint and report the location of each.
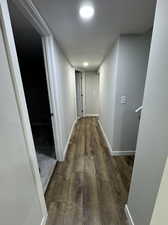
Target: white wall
(65, 78)
(91, 93)
(160, 215)
(130, 82)
(107, 77)
(123, 73)
(152, 143)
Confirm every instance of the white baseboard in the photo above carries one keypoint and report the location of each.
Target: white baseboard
(106, 139)
(114, 153)
(128, 214)
(49, 177)
(69, 138)
(120, 153)
(44, 220)
(91, 115)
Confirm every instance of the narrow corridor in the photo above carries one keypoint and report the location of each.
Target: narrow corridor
(90, 187)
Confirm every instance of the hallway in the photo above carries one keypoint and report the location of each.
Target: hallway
(84, 130)
(90, 187)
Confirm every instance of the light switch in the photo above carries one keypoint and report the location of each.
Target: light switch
(123, 99)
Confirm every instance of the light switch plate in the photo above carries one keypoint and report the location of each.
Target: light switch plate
(123, 99)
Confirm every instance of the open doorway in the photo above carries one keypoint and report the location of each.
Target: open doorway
(31, 61)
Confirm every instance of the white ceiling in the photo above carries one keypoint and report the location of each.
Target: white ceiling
(91, 41)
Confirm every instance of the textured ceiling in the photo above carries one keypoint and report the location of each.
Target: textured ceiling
(91, 41)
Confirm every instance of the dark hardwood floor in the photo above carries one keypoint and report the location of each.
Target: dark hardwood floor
(90, 187)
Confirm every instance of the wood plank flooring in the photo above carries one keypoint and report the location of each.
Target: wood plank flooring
(90, 187)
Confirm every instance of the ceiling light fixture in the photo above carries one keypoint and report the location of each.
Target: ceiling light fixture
(86, 12)
(85, 64)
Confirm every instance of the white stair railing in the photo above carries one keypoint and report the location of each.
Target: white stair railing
(139, 109)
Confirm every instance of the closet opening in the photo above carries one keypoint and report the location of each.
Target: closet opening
(31, 61)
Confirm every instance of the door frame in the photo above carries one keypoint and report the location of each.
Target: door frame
(84, 92)
(32, 14)
(79, 94)
(82, 95)
(29, 10)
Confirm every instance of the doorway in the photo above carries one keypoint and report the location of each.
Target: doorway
(79, 93)
(31, 61)
(87, 93)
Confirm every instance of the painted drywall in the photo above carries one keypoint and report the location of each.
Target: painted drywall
(107, 77)
(65, 78)
(91, 93)
(124, 73)
(19, 199)
(130, 82)
(160, 215)
(152, 143)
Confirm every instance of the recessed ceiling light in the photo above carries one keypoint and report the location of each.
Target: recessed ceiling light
(86, 12)
(85, 64)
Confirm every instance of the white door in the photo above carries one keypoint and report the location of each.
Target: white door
(20, 203)
(79, 94)
(91, 94)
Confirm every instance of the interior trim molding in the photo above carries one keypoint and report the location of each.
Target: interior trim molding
(128, 214)
(55, 105)
(69, 138)
(29, 10)
(49, 177)
(91, 115)
(114, 153)
(44, 220)
(105, 137)
(120, 153)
